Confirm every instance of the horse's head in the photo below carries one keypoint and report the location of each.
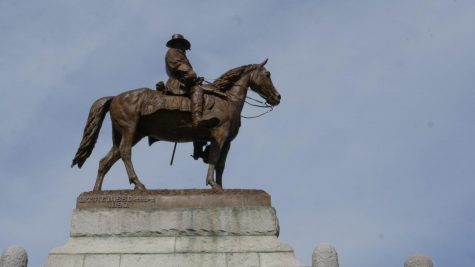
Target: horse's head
(262, 84)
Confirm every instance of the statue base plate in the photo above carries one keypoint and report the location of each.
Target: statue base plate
(185, 198)
(177, 228)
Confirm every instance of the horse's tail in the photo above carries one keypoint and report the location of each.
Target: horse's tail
(91, 131)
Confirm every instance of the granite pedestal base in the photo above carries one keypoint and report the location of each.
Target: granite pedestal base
(184, 228)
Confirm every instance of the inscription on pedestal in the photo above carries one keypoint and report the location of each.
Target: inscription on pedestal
(113, 201)
(192, 198)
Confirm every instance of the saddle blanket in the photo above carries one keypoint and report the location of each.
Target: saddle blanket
(155, 100)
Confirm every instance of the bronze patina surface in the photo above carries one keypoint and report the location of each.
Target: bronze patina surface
(143, 112)
(184, 198)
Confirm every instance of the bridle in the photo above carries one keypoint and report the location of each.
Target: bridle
(260, 104)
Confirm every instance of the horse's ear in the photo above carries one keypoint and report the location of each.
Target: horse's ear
(264, 62)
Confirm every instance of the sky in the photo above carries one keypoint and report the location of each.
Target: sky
(371, 148)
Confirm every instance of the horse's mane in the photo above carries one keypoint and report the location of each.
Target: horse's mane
(225, 81)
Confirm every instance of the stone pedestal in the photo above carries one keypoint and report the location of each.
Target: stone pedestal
(178, 228)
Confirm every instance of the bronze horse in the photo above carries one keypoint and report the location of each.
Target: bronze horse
(130, 123)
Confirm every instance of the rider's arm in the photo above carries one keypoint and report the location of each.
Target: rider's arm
(187, 72)
(180, 66)
(184, 68)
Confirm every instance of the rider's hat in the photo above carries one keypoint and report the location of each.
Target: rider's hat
(179, 39)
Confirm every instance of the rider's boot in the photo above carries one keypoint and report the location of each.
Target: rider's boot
(198, 149)
(197, 120)
(196, 106)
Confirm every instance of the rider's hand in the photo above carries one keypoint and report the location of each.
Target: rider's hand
(199, 80)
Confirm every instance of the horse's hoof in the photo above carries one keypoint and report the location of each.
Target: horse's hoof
(216, 187)
(96, 189)
(140, 187)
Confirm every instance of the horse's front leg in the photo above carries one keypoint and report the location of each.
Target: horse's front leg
(213, 158)
(210, 178)
(222, 162)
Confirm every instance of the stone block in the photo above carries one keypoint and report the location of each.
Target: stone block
(116, 245)
(242, 260)
(174, 222)
(147, 260)
(101, 260)
(165, 199)
(174, 260)
(65, 260)
(280, 259)
(207, 244)
(200, 259)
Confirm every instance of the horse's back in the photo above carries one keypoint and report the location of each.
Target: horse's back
(129, 101)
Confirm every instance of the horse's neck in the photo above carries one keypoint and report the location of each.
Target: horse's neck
(238, 91)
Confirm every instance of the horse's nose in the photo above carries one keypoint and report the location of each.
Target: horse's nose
(278, 97)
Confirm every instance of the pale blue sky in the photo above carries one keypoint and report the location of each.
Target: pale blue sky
(372, 148)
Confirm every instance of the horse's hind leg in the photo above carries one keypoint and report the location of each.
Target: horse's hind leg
(105, 164)
(125, 148)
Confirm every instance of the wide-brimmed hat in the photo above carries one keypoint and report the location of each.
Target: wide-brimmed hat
(178, 39)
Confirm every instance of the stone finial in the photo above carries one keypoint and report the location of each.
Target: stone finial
(418, 260)
(324, 255)
(14, 256)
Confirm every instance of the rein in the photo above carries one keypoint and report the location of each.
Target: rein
(263, 105)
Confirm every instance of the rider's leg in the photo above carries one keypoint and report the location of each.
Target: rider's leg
(196, 105)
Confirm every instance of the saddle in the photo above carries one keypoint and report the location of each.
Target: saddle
(177, 91)
(163, 98)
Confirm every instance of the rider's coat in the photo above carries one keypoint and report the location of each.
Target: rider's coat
(179, 70)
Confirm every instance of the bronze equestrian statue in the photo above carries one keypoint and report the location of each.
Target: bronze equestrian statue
(165, 116)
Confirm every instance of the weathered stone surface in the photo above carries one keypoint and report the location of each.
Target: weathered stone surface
(14, 256)
(101, 260)
(325, 255)
(65, 260)
(117, 245)
(141, 260)
(230, 244)
(161, 245)
(173, 260)
(242, 260)
(163, 199)
(285, 259)
(174, 222)
(229, 236)
(418, 260)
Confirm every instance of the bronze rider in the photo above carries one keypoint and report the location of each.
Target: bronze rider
(182, 78)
